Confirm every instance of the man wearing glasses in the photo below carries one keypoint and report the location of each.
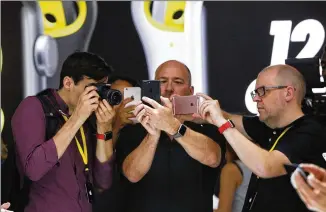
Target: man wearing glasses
(285, 135)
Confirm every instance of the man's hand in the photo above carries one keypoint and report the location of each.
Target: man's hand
(196, 118)
(104, 115)
(5, 205)
(87, 103)
(161, 117)
(210, 110)
(123, 114)
(314, 194)
(141, 117)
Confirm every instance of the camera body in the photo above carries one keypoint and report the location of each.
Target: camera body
(112, 96)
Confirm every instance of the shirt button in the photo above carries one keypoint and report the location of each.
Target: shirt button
(270, 139)
(274, 132)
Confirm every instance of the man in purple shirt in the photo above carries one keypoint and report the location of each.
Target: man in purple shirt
(60, 167)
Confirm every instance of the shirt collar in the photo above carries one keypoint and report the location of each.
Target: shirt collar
(62, 105)
(292, 124)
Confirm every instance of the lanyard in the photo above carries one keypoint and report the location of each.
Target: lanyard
(251, 200)
(82, 151)
(279, 137)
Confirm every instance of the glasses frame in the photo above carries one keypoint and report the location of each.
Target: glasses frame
(264, 89)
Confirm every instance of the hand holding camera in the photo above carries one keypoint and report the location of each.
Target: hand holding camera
(87, 103)
(104, 116)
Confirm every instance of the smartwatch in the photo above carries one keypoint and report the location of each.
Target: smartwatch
(106, 136)
(181, 131)
(228, 124)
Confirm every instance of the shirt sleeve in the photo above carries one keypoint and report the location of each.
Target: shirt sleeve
(36, 155)
(103, 172)
(304, 145)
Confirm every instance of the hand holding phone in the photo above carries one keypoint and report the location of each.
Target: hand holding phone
(135, 94)
(290, 168)
(183, 105)
(152, 90)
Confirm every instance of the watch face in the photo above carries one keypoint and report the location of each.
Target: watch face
(108, 136)
(182, 130)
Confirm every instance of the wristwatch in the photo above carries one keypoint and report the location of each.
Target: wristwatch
(228, 124)
(106, 136)
(181, 131)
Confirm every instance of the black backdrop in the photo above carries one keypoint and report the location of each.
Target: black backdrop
(238, 42)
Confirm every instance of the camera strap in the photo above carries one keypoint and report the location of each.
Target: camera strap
(253, 198)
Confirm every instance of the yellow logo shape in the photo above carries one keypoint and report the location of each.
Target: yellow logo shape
(173, 17)
(59, 28)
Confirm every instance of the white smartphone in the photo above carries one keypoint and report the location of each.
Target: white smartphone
(135, 93)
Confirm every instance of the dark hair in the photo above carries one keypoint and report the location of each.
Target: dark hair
(80, 64)
(114, 78)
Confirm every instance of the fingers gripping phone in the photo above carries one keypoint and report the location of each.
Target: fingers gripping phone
(151, 89)
(290, 168)
(132, 92)
(135, 94)
(183, 105)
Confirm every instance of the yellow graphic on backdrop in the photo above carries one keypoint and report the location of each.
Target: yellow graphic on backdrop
(173, 17)
(58, 27)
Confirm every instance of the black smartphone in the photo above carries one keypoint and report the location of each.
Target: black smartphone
(290, 168)
(151, 89)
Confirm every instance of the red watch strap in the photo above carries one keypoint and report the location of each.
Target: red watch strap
(225, 126)
(100, 136)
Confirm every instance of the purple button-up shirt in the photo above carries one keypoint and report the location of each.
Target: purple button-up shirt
(58, 184)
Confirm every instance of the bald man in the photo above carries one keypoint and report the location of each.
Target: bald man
(168, 165)
(285, 135)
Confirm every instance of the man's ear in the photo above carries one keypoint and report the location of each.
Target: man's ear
(290, 93)
(68, 83)
(192, 89)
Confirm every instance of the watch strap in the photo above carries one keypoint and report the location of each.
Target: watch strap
(228, 124)
(106, 136)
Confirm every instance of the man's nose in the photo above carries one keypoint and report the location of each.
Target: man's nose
(169, 86)
(256, 98)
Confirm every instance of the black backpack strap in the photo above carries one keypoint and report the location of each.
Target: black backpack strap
(53, 118)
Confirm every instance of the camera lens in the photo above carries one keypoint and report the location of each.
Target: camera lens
(114, 97)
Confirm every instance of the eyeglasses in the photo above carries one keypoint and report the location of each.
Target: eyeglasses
(261, 91)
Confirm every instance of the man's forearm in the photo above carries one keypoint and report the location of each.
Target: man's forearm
(65, 135)
(104, 150)
(261, 162)
(138, 162)
(201, 148)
